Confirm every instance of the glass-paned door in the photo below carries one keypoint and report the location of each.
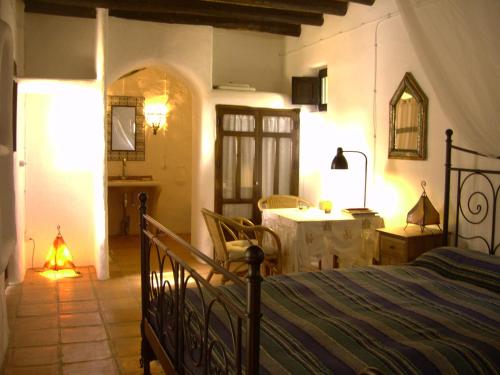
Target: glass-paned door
(256, 156)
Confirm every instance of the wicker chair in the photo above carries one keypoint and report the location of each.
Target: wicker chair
(232, 236)
(282, 201)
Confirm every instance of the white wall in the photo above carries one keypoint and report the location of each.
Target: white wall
(362, 79)
(59, 47)
(249, 57)
(62, 121)
(185, 52)
(7, 213)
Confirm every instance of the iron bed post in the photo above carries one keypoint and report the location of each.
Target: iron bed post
(449, 133)
(254, 257)
(146, 350)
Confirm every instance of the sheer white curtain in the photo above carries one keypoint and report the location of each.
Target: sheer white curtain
(457, 42)
(276, 124)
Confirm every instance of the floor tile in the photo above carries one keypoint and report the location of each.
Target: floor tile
(36, 322)
(78, 320)
(33, 370)
(39, 355)
(78, 307)
(121, 315)
(83, 334)
(40, 337)
(126, 329)
(37, 309)
(88, 351)
(127, 347)
(107, 366)
(78, 325)
(67, 296)
(119, 303)
(39, 296)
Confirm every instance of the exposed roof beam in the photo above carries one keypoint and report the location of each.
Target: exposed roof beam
(225, 23)
(59, 10)
(194, 8)
(336, 7)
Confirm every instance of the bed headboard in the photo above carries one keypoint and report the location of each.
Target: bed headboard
(476, 192)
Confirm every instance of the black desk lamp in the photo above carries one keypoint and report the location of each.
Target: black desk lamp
(340, 162)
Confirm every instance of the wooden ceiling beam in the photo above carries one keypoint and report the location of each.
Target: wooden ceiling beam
(219, 22)
(59, 10)
(363, 2)
(335, 7)
(194, 8)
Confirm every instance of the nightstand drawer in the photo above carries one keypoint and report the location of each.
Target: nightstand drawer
(403, 244)
(393, 246)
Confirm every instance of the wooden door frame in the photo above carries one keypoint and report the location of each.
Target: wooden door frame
(258, 135)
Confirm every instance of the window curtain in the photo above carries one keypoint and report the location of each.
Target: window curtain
(457, 44)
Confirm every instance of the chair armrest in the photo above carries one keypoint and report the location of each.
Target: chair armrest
(259, 232)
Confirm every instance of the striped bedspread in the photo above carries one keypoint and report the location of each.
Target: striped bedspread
(437, 315)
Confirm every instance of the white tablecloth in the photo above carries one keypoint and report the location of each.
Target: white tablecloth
(310, 235)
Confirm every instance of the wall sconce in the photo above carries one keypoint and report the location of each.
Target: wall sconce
(156, 116)
(340, 162)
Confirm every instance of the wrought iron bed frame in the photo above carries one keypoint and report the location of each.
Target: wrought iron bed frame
(184, 345)
(471, 215)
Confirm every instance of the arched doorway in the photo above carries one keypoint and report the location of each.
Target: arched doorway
(166, 157)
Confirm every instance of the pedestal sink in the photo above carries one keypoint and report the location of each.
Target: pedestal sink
(129, 187)
(120, 181)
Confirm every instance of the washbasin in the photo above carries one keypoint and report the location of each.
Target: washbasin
(130, 178)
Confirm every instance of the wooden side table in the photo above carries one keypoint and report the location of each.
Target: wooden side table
(400, 245)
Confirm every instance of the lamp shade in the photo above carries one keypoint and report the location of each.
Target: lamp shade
(339, 161)
(59, 256)
(423, 213)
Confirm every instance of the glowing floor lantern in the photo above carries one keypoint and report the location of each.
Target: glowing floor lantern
(59, 262)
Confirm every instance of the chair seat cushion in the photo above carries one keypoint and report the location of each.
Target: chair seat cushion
(236, 249)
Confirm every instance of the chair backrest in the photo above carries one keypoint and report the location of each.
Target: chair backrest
(282, 201)
(216, 232)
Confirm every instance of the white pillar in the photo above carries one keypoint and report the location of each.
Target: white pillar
(101, 222)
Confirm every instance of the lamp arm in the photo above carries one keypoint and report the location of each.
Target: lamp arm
(366, 171)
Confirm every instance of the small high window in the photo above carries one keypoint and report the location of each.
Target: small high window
(323, 96)
(311, 90)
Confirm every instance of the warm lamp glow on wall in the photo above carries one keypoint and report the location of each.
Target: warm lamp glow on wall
(340, 162)
(59, 262)
(156, 116)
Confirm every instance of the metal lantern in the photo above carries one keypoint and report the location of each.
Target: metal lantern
(59, 256)
(423, 213)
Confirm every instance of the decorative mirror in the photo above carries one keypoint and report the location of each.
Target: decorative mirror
(408, 121)
(125, 128)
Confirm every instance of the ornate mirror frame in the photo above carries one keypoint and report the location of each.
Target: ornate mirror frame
(416, 130)
(126, 101)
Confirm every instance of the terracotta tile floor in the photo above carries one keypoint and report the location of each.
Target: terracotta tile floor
(79, 325)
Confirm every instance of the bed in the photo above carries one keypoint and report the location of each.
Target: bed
(439, 314)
